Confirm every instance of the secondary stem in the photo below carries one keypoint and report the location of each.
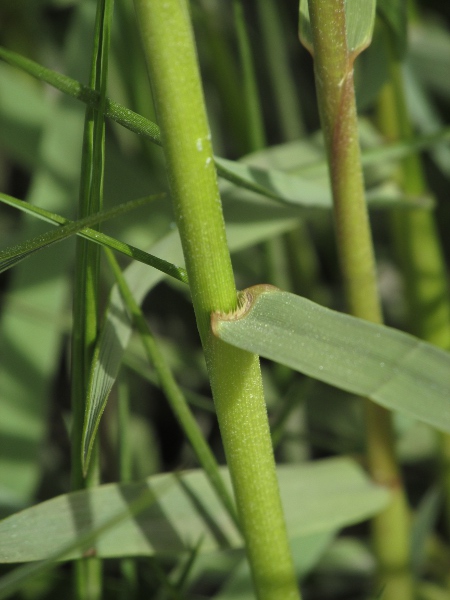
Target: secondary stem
(417, 245)
(335, 89)
(235, 375)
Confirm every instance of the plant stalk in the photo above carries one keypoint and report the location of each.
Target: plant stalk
(417, 246)
(88, 572)
(235, 375)
(333, 64)
(251, 98)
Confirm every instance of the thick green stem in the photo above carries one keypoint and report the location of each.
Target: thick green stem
(235, 375)
(335, 89)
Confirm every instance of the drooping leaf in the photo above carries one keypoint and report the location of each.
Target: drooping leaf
(392, 368)
(303, 192)
(317, 497)
(360, 19)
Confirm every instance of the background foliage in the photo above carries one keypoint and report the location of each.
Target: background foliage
(279, 243)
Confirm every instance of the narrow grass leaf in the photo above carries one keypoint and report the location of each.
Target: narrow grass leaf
(14, 254)
(360, 20)
(334, 493)
(270, 183)
(75, 89)
(392, 368)
(86, 289)
(101, 238)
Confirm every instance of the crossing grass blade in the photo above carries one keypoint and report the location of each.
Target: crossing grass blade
(392, 368)
(17, 253)
(270, 183)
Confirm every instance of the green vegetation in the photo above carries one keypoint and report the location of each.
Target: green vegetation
(145, 451)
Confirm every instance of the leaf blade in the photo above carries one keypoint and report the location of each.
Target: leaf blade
(335, 492)
(392, 368)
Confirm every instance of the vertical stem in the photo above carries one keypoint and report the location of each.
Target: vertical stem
(333, 65)
(278, 70)
(252, 104)
(88, 572)
(235, 375)
(128, 566)
(417, 245)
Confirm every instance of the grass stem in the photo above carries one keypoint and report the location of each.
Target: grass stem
(235, 375)
(333, 64)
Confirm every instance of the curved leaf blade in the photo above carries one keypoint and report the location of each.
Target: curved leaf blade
(317, 497)
(392, 368)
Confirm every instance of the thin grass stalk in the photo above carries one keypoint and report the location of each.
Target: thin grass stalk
(253, 111)
(88, 572)
(333, 64)
(235, 375)
(224, 71)
(278, 69)
(272, 251)
(128, 566)
(417, 245)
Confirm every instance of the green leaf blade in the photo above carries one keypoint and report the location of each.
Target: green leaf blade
(334, 492)
(392, 368)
